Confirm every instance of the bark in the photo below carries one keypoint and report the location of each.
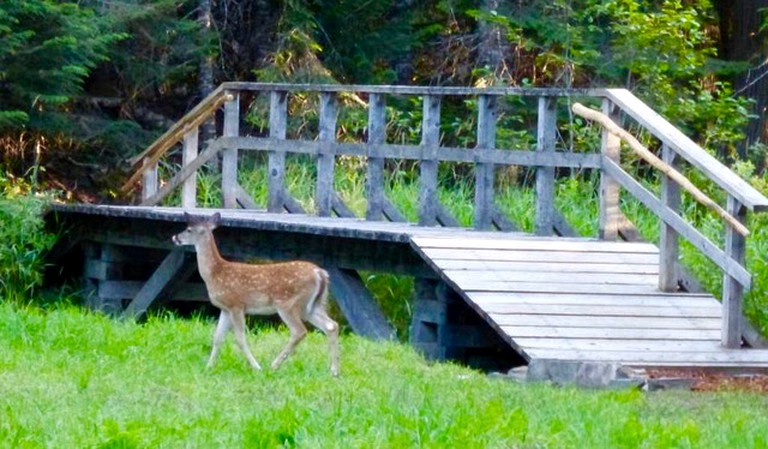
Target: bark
(741, 40)
(492, 43)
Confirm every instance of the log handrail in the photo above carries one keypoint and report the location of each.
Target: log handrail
(653, 160)
(194, 118)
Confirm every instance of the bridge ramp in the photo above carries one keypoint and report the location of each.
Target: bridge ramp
(583, 300)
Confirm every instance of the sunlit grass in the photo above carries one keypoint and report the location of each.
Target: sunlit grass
(70, 378)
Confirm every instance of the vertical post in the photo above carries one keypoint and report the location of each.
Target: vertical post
(189, 153)
(545, 176)
(430, 140)
(668, 238)
(610, 147)
(278, 123)
(229, 155)
(484, 172)
(326, 158)
(149, 182)
(733, 291)
(429, 316)
(374, 180)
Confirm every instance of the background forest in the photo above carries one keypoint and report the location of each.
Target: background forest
(85, 85)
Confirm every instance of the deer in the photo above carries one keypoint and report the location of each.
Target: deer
(297, 291)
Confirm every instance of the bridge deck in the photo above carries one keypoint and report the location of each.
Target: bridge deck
(547, 297)
(586, 300)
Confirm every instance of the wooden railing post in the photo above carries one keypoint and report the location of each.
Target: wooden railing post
(668, 237)
(733, 291)
(149, 180)
(430, 140)
(278, 123)
(229, 155)
(484, 172)
(545, 176)
(189, 153)
(374, 180)
(326, 158)
(609, 214)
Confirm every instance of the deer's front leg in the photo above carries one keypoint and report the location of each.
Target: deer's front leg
(238, 324)
(292, 319)
(222, 327)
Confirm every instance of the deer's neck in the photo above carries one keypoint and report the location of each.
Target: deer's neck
(208, 257)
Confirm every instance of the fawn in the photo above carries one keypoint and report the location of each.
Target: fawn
(297, 291)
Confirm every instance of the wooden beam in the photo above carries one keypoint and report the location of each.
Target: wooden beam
(374, 179)
(189, 154)
(485, 172)
(358, 305)
(230, 154)
(669, 247)
(545, 176)
(278, 124)
(609, 194)
(326, 160)
(733, 289)
(167, 273)
(430, 141)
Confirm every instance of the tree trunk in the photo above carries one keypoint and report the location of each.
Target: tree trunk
(492, 43)
(742, 40)
(205, 81)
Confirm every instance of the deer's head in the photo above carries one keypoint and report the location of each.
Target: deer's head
(197, 228)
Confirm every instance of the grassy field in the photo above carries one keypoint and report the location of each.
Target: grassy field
(74, 379)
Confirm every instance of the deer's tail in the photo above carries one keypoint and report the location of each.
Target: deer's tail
(320, 298)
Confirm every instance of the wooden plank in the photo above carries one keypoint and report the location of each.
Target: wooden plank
(607, 322)
(490, 265)
(516, 332)
(326, 160)
(522, 242)
(244, 199)
(498, 156)
(697, 239)
(484, 172)
(552, 276)
(363, 314)
(733, 291)
(584, 344)
(610, 215)
(545, 176)
(539, 256)
(414, 90)
(430, 141)
(723, 358)
(470, 286)
(230, 154)
(686, 148)
(189, 153)
(485, 299)
(168, 271)
(668, 238)
(622, 310)
(374, 179)
(278, 124)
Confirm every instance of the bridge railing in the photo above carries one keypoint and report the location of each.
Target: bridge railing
(485, 156)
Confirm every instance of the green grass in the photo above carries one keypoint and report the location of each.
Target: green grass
(70, 378)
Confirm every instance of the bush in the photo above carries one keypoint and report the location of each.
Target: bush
(22, 243)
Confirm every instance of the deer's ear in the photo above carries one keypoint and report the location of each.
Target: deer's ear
(216, 219)
(187, 217)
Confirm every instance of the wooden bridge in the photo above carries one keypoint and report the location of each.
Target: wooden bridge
(485, 293)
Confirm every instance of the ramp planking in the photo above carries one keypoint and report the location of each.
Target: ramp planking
(583, 300)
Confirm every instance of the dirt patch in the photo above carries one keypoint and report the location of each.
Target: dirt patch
(703, 380)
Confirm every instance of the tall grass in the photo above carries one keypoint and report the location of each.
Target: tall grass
(70, 378)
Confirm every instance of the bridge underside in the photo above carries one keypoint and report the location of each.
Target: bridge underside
(493, 300)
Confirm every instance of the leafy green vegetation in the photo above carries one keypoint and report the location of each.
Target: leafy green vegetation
(71, 378)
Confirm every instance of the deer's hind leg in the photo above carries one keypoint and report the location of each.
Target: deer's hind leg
(293, 320)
